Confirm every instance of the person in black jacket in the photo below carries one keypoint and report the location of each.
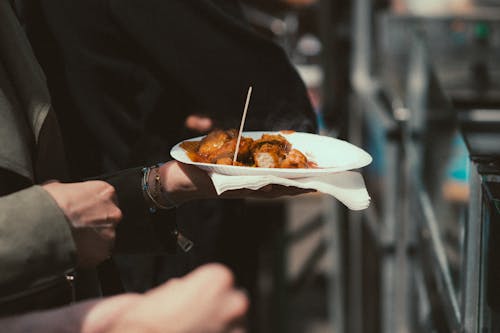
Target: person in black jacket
(51, 230)
(126, 74)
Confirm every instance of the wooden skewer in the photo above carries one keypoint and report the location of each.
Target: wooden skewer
(242, 124)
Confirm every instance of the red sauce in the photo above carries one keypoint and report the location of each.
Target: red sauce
(192, 151)
(190, 146)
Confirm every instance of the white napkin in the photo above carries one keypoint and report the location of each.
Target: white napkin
(348, 186)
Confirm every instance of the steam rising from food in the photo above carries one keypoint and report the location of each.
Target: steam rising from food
(270, 151)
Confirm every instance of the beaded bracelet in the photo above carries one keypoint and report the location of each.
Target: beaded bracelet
(184, 243)
(158, 190)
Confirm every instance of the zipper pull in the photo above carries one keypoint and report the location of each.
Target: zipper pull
(70, 278)
(185, 243)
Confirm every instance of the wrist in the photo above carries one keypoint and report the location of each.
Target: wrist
(184, 182)
(56, 190)
(154, 190)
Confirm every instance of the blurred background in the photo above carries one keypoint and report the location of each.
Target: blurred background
(416, 83)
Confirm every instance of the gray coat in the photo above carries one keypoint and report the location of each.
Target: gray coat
(36, 246)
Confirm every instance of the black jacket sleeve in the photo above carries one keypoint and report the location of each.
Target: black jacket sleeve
(36, 247)
(140, 231)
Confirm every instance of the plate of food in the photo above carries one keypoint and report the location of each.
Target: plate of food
(287, 154)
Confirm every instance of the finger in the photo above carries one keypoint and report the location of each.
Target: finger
(213, 280)
(235, 306)
(269, 191)
(114, 198)
(281, 190)
(237, 194)
(220, 275)
(106, 190)
(199, 123)
(292, 190)
(217, 277)
(111, 194)
(114, 215)
(237, 328)
(267, 188)
(106, 233)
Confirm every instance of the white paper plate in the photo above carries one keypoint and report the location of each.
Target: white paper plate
(331, 155)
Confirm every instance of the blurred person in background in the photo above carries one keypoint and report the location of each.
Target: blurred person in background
(131, 78)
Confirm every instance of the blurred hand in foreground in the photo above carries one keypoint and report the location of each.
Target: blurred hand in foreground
(204, 301)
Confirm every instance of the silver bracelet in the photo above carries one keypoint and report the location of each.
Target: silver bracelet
(158, 190)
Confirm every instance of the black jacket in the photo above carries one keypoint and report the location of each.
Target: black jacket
(124, 74)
